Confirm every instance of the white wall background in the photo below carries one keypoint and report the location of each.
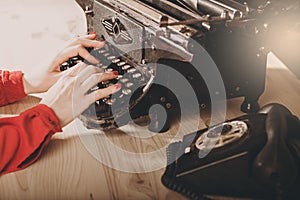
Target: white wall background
(33, 30)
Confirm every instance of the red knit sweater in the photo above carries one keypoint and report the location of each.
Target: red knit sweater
(22, 138)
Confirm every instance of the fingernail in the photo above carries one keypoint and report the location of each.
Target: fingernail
(116, 73)
(118, 86)
(93, 32)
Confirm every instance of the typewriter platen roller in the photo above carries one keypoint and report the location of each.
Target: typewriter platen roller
(139, 32)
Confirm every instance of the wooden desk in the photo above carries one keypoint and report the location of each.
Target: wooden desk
(67, 170)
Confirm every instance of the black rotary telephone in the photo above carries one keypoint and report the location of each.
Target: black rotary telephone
(252, 156)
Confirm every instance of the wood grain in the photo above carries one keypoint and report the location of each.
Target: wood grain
(67, 169)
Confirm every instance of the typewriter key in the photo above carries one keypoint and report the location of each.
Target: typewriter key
(109, 69)
(131, 70)
(116, 60)
(111, 57)
(137, 75)
(97, 102)
(119, 64)
(102, 51)
(124, 80)
(126, 91)
(110, 101)
(120, 96)
(74, 60)
(108, 55)
(64, 66)
(95, 88)
(126, 67)
(129, 84)
(119, 77)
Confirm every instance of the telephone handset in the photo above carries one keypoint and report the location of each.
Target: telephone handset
(276, 163)
(252, 156)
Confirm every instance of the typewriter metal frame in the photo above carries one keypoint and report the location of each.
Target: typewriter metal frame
(235, 46)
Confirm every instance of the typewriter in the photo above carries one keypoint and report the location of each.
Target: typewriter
(143, 35)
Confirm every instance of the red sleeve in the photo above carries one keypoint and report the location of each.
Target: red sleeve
(23, 138)
(11, 87)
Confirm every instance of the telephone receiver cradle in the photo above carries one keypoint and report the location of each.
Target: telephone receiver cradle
(263, 162)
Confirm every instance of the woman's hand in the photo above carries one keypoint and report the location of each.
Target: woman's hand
(42, 78)
(68, 97)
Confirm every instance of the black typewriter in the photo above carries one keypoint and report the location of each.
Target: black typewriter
(144, 35)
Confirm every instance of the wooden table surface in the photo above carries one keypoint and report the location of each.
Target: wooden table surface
(70, 168)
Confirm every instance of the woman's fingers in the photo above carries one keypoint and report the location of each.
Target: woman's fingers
(101, 93)
(81, 51)
(78, 48)
(89, 43)
(75, 70)
(95, 78)
(68, 97)
(89, 37)
(86, 72)
(91, 76)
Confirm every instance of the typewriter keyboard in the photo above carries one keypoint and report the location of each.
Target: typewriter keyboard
(134, 78)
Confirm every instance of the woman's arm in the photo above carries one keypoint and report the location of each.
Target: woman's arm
(23, 138)
(11, 87)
